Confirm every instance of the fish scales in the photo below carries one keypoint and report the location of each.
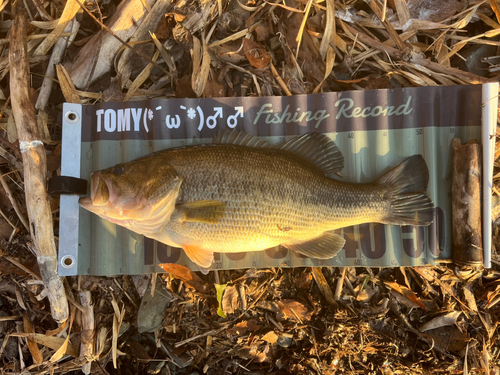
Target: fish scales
(240, 194)
(270, 196)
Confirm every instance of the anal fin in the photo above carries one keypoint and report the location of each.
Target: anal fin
(324, 247)
(203, 258)
(206, 211)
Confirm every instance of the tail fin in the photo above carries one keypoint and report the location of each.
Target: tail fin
(406, 185)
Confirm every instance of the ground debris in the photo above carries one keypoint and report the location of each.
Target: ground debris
(420, 320)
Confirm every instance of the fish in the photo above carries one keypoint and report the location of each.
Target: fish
(239, 193)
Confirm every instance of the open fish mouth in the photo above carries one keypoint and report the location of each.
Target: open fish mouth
(101, 191)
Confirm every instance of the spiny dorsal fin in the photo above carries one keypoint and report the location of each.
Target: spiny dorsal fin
(235, 137)
(318, 149)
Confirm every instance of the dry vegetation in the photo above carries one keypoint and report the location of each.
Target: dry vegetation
(304, 321)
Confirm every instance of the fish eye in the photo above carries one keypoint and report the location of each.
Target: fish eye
(118, 169)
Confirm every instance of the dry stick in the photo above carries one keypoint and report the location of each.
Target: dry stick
(57, 53)
(35, 167)
(20, 266)
(87, 335)
(8, 221)
(42, 10)
(144, 56)
(14, 202)
(323, 285)
(279, 80)
(10, 158)
(340, 284)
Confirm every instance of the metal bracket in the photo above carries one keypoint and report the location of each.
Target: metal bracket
(69, 211)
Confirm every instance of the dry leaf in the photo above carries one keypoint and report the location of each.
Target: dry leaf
(32, 346)
(201, 65)
(262, 32)
(220, 292)
(441, 321)
(469, 297)
(63, 349)
(67, 86)
(243, 327)
(138, 351)
(142, 77)
(70, 10)
(294, 310)
(406, 293)
(185, 275)
(271, 337)
(303, 281)
(48, 341)
(256, 54)
(214, 89)
(448, 338)
(117, 322)
(366, 293)
(231, 300)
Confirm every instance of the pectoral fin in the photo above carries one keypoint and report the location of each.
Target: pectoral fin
(203, 258)
(324, 247)
(202, 211)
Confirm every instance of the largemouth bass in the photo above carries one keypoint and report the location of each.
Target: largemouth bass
(242, 194)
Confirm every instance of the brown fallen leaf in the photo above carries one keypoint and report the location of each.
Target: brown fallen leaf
(230, 300)
(303, 281)
(256, 54)
(271, 337)
(64, 347)
(448, 338)
(441, 321)
(138, 351)
(262, 32)
(294, 310)
(33, 347)
(243, 327)
(67, 86)
(214, 89)
(407, 293)
(186, 275)
(48, 341)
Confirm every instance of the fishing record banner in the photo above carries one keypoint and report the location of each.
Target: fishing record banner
(375, 130)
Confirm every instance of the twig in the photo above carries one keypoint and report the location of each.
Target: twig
(8, 221)
(11, 159)
(209, 333)
(143, 55)
(35, 167)
(19, 265)
(42, 10)
(279, 80)
(56, 57)
(323, 285)
(340, 284)
(14, 203)
(87, 336)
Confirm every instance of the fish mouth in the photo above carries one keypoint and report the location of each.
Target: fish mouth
(101, 192)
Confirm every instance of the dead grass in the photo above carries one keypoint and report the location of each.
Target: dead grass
(323, 321)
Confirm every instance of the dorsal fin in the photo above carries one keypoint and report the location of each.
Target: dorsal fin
(236, 137)
(318, 149)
